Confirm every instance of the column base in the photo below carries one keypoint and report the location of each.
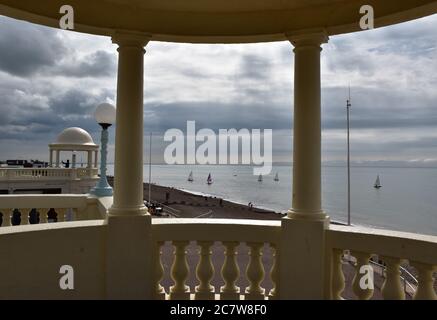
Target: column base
(102, 192)
(302, 267)
(307, 216)
(129, 269)
(128, 212)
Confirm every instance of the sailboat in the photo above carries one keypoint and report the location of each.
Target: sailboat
(260, 178)
(209, 180)
(378, 183)
(277, 177)
(190, 177)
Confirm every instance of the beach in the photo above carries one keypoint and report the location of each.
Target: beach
(182, 204)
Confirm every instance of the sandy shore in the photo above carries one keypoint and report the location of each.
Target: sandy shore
(183, 204)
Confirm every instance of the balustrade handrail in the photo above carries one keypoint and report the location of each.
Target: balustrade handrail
(78, 207)
(394, 244)
(216, 230)
(394, 248)
(18, 201)
(7, 174)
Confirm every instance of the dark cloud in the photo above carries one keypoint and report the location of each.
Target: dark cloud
(97, 64)
(54, 85)
(254, 66)
(378, 109)
(26, 49)
(216, 116)
(77, 102)
(26, 118)
(344, 56)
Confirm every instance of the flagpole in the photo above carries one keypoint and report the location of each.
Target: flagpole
(348, 106)
(150, 168)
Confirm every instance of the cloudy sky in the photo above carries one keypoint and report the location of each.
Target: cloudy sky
(52, 79)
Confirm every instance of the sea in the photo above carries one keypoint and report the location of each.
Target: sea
(406, 202)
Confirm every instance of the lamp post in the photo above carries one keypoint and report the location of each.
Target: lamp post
(348, 107)
(105, 117)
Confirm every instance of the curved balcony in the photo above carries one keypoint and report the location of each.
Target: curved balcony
(227, 259)
(59, 180)
(42, 174)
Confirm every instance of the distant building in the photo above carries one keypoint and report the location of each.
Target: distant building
(34, 176)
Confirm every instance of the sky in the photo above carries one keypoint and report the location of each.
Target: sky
(53, 79)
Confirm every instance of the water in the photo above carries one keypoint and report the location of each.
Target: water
(406, 202)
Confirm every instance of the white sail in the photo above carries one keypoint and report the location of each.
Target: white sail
(277, 177)
(378, 182)
(190, 177)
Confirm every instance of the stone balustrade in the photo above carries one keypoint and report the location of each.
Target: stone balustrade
(33, 174)
(202, 259)
(393, 249)
(38, 209)
(229, 236)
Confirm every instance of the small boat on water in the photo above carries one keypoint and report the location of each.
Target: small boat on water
(209, 180)
(378, 184)
(190, 177)
(277, 177)
(260, 178)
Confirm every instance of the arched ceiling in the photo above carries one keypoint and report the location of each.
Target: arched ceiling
(217, 21)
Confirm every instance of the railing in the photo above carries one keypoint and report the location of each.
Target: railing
(37, 209)
(395, 249)
(26, 174)
(228, 237)
(86, 172)
(223, 259)
(409, 288)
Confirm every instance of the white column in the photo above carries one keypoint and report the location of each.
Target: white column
(89, 160)
(307, 135)
(58, 159)
(129, 225)
(96, 159)
(128, 168)
(51, 158)
(302, 259)
(73, 160)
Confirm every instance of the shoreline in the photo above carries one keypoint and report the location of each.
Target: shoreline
(183, 203)
(179, 203)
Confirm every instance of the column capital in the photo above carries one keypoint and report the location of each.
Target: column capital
(130, 39)
(308, 38)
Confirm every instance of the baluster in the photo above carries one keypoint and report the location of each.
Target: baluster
(179, 272)
(43, 215)
(425, 290)
(7, 213)
(75, 214)
(24, 215)
(205, 272)
(273, 295)
(365, 293)
(392, 288)
(230, 273)
(338, 279)
(60, 214)
(159, 272)
(255, 272)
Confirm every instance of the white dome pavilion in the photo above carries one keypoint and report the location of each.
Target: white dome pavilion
(74, 140)
(74, 136)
